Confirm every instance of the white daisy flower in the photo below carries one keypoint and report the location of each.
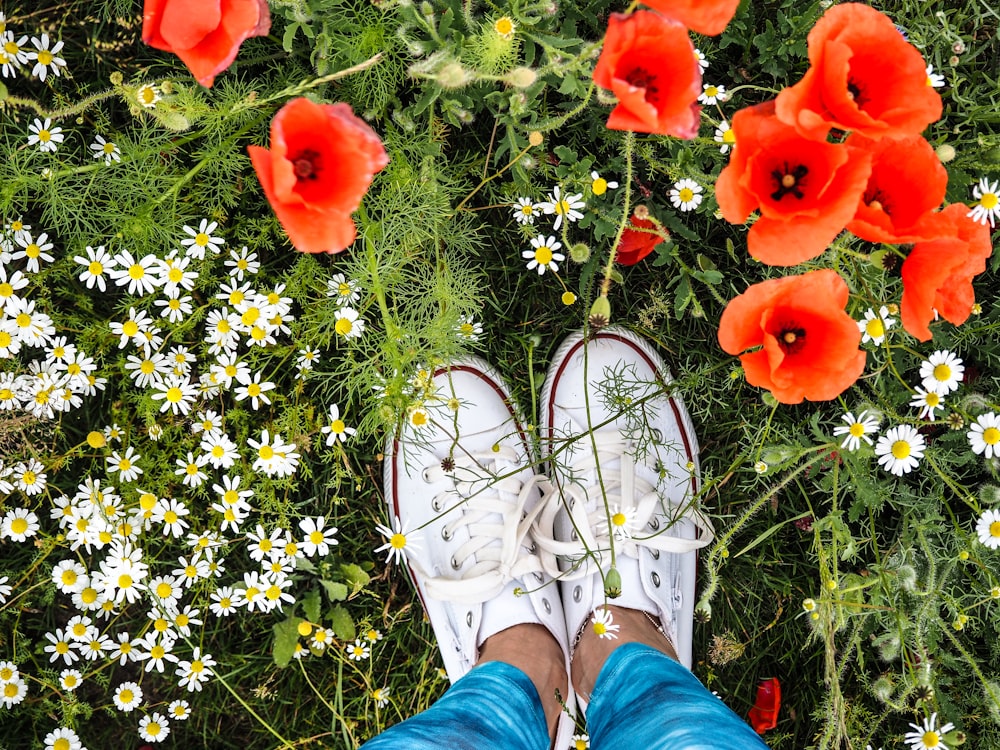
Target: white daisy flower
(33, 250)
(201, 239)
(544, 255)
(875, 324)
(154, 727)
(702, 61)
(725, 135)
(942, 372)
(604, 624)
(984, 435)
(148, 95)
(349, 324)
(900, 449)
(140, 274)
(104, 149)
(45, 135)
(62, 738)
(398, 540)
(988, 207)
(856, 429)
(381, 696)
(96, 264)
(344, 291)
(712, 94)
(927, 402)
(468, 329)
(686, 195)
(358, 650)
(988, 528)
(241, 263)
(563, 207)
(599, 185)
(525, 211)
(928, 735)
(317, 536)
(935, 80)
(336, 429)
(179, 710)
(45, 58)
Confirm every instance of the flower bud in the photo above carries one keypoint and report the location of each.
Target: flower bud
(613, 584)
(579, 252)
(535, 138)
(452, 76)
(641, 212)
(600, 312)
(96, 439)
(945, 152)
(521, 78)
(117, 78)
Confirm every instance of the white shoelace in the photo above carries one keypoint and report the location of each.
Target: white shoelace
(624, 489)
(492, 500)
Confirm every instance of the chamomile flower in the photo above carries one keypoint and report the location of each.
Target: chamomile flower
(525, 211)
(29, 477)
(874, 325)
(45, 135)
(934, 80)
(505, 27)
(196, 671)
(900, 449)
(96, 264)
(306, 359)
(621, 525)
(207, 422)
(13, 692)
(702, 60)
(984, 435)
(105, 149)
(398, 540)
(133, 329)
(177, 393)
(18, 524)
(221, 451)
(62, 738)
(179, 710)
(154, 727)
(927, 402)
(927, 736)
(343, 290)
(201, 239)
(580, 742)
(544, 255)
(686, 195)
(725, 135)
(242, 263)
(174, 274)
(33, 250)
(604, 625)
(712, 94)
(599, 185)
(13, 53)
(274, 456)
(148, 94)
(988, 207)
(942, 372)
(317, 537)
(139, 274)
(348, 324)
(191, 469)
(988, 528)
(381, 696)
(336, 429)
(70, 679)
(468, 329)
(358, 650)
(567, 207)
(225, 601)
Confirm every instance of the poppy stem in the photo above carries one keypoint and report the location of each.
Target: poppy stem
(626, 208)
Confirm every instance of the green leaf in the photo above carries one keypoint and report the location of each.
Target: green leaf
(335, 591)
(564, 153)
(286, 638)
(355, 576)
(341, 623)
(682, 297)
(311, 604)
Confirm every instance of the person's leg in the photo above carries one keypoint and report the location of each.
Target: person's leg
(640, 696)
(461, 476)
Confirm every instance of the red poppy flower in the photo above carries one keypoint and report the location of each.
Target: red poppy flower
(906, 184)
(708, 17)
(806, 190)
(937, 274)
(809, 343)
(204, 34)
(320, 164)
(648, 62)
(764, 713)
(634, 245)
(863, 77)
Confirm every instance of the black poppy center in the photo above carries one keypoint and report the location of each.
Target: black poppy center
(857, 92)
(643, 79)
(306, 165)
(791, 339)
(789, 180)
(876, 200)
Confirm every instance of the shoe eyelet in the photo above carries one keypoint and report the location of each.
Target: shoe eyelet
(656, 579)
(455, 564)
(426, 475)
(548, 607)
(574, 536)
(436, 505)
(577, 594)
(533, 548)
(539, 577)
(656, 554)
(468, 619)
(445, 534)
(654, 524)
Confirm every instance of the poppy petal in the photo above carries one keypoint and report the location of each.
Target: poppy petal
(707, 17)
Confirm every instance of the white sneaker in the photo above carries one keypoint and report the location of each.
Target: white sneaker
(606, 421)
(465, 481)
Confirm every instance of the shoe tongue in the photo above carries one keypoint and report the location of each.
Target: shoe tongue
(505, 611)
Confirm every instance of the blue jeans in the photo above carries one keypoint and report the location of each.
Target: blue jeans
(643, 699)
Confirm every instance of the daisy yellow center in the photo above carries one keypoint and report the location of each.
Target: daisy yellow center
(29, 477)
(124, 465)
(562, 207)
(528, 210)
(147, 367)
(344, 326)
(79, 630)
(164, 589)
(337, 426)
(44, 135)
(62, 647)
(160, 625)
(136, 271)
(131, 328)
(11, 47)
(712, 91)
(62, 743)
(153, 729)
(930, 739)
(252, 593)
(995, 529)
(257, 333)
(991, 436)
(344, 290)
(108, 148)
(875, 328)
(174, 395)
(201, 239)
(397, 541)
(686, 195)
(543, 255)
(600, 628)
(291, 549)
(175, 275)
(266, 452)
(989, 200)
(70, 680)
(273, 593)
(5, 341)
(218, 451)
(418, 418)
(32, 250)
(900, 449)
(170, 517)
(250, 316)
(599, 186)
(932, 399)
(6, 289)
(6, 673)
(231, 497)
(126, 696)
(89, 595)
(147, 501)
(236, 297)
(618, 519)
(19, 525)
(125, 581)
(942, 372)
(197, 666)
(316, 537)
(68, 578)
(265, 544)
(10, 689)
(504, 26)
(253, 390)
(857, 430)
(729, 136)
(183, 620)
(467, 329)
(23, 320)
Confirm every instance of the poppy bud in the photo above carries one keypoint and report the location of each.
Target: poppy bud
(579, 252)
(613, 579)
(600, 312)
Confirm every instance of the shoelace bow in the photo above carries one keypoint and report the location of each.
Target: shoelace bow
(492, 500)
(588, 513)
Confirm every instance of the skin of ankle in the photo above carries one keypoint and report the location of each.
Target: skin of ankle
(532, 649)
(592, 650)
